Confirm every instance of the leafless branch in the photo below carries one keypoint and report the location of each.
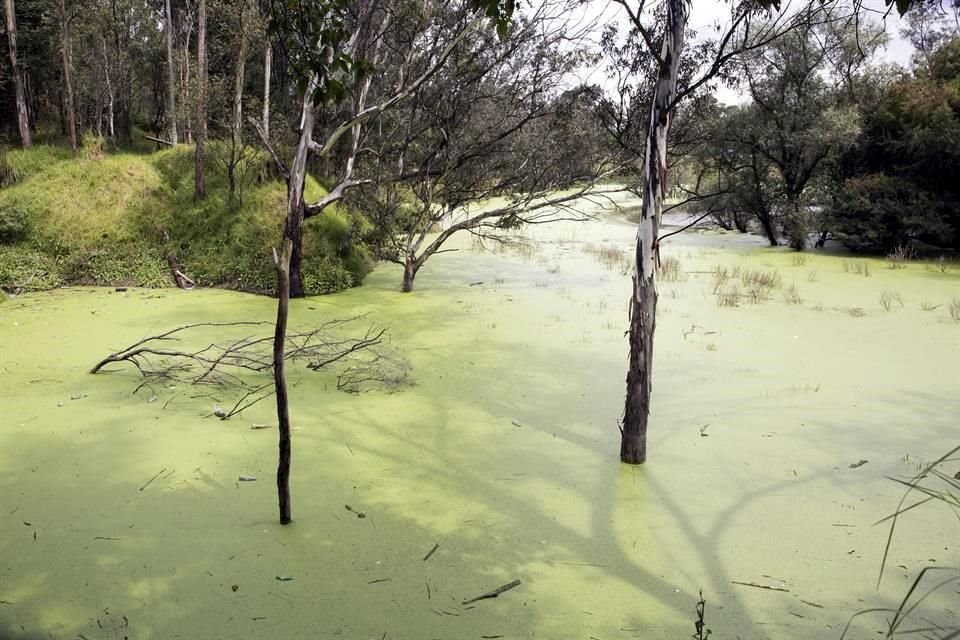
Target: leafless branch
(238, 364)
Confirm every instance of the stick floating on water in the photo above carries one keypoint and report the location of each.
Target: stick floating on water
(496, 592)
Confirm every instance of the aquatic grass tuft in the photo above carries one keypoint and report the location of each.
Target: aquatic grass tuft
(729, 297)
(888, 297)
(719, 277)
(940, 265)
(955, 309)
(900, 256)
(857, 267)
(765, 279)
(671, 270)
(792, 295)
(612, 258)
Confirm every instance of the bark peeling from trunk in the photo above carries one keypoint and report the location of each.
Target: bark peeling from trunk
(643, 302)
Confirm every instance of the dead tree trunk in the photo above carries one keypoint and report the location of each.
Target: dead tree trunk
(279, 381)
(200, 126)
(23, 118)
(267, 59)
(66, 57)
(643, 302)
(171, 78)
(291, 228)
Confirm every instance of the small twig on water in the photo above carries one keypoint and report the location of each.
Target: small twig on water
(496, 592)
(431, 552)
(760, 586)
(152, 479)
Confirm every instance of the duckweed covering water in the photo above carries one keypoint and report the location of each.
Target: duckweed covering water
(504, 453)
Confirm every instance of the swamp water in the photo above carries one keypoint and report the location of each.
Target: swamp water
(504, 453)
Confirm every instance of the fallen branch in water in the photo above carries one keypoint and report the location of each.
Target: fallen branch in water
(361, 362)
(760, 586)
(152, 479)
(493, 594)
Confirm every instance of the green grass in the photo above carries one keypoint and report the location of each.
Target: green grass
(104, 220)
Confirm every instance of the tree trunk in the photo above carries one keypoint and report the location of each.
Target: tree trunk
(267, 59)
(296, 262)
(23, 119)
(65, 54)
(279, 381)
(410, 268)
(643, 303)
(185, 65)
(200, 126)
(171, 107)
(742, 222)
(236, 139)
(768, 229)
(291, 228)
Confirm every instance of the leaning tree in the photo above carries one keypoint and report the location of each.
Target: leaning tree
(492, 141)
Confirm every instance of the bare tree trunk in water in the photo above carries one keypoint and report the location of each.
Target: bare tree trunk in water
(66, 56)
(200, 126)
(171, 79)
(769, 230)
(643, 302)
(291, 229)
(279, 381)
(410, 268)
(268, 57)
(23, 117)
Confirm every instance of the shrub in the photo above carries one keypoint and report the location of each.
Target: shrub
(880, 212)
(27, 269)
(13, 223)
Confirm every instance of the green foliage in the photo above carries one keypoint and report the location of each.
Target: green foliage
(25, 268)
(904, 183)
(112, 220)
(879, 212)
(13, 223)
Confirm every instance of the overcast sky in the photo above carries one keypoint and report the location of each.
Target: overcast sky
(706, 13)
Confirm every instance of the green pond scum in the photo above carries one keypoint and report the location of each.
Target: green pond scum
(780, 410)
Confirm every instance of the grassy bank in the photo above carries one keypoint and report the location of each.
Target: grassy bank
(111, 219)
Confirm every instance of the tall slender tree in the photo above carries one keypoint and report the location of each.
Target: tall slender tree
(200, 126)
(66, 55)
(23, 119)
(267, 60)
(171, 109)
(643, 301)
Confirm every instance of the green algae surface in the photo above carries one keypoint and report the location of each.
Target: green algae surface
(122, 515)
